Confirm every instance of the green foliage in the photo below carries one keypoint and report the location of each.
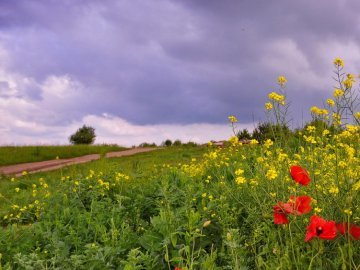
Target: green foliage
(167, 143)
(145, 144)
(274, 132)
(22, 154)
(84, 135)
(177, 143)
(243, 134)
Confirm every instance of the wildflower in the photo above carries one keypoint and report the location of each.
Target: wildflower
(314, 110)
(268, 143)
(17, 189)
(232, 119)
(300, 175)
(338, 93)
(24, 173)
(282, 81)
(301, 205)
(280, 217)
(240, 180)
(352, 229)
(320, 228)
(330, 102)
(277, 98)
(348, 83)
(268, 106)
(357, 115)
(271, 174)
(338, 62)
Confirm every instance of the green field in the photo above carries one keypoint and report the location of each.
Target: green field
(185, 207)
(287, 199)
(22, 154)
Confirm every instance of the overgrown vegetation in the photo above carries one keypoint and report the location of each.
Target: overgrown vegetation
(291, 202)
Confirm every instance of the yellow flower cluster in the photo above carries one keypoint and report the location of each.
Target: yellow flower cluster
(330, 102)
(277, 98)
(338, 62)
(317, 111)
(232, 119)
(338, 93)
(282, 81)
(350, 79)
(268, 106)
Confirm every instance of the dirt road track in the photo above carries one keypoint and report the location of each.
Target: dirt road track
(50, 165)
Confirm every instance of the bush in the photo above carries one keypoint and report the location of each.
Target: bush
(271, 131)
(84, 135)
(243, 135)
(177, 143)
(167, 143)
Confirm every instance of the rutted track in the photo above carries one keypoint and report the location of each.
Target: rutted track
(50, 165)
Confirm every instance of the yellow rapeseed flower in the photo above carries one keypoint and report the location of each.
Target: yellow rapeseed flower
(330, 102)
(348, 83)
(282, 81)
(268, 106)
(338, 93)
(254, 141)
(240, 180)
(338, 62)
(277, 98)
(232, 119)
(271, 174)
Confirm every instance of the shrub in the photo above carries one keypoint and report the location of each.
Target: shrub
(177, 143)
(84, 135)
(271, 131)
(167, 143)
(244, 134)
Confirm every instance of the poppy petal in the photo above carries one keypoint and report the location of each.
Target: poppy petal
(300, 175)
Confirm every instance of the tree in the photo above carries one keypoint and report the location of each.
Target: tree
(167, 143)
(244, 134)
(270, 131)
(84, 135)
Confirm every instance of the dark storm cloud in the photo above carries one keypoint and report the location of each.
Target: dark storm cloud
(153, 62)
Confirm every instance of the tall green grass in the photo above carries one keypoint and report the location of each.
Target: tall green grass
(22, 154)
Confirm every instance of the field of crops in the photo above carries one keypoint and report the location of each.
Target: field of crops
(21, 154)
(291, 202)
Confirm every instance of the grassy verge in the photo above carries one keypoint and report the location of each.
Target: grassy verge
(22, 154)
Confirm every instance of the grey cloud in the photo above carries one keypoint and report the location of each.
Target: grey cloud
(174, 61)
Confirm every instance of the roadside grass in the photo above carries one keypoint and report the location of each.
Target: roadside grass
(22, 154)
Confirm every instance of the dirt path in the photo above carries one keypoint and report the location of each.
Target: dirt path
(50, 165)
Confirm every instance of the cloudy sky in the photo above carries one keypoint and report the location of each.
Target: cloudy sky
(147, 70)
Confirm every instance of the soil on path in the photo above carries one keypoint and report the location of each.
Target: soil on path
(49, 165)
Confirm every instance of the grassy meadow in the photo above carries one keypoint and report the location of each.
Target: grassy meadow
(289, 200)
(21, 154)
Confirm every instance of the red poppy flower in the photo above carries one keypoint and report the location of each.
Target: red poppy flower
(280, 216)
(353, 229)
(296, 206)
(320, 228)
(300, 175)
(301, 205)
(177, 268)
